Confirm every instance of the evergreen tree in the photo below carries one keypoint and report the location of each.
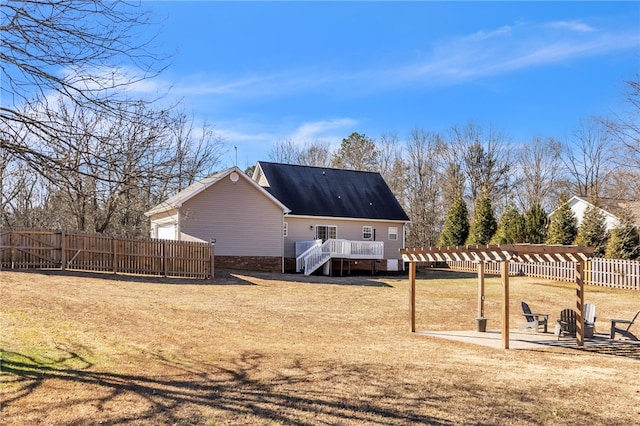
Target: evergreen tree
(563, 227)
(624, 242)
(511, 228)
(484, 222)
(456, 224)
(357, 152)
(535, 225)
(593, 231)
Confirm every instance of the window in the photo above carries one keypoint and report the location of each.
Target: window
(367, 232)
(285, 229)
(325, 232)
(393, 233)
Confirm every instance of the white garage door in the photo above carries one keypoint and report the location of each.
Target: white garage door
(167, 232)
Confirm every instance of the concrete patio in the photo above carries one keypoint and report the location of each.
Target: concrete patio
(519, 339)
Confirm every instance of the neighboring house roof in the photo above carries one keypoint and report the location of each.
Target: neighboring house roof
(328, 192)
(609, 207)
(615, 205)
(194, 189)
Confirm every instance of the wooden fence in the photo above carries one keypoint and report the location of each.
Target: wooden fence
(612, 273)
(97, 252)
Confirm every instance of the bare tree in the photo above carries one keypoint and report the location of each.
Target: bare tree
(316, 153)
(285, 151)
(424, 196)
(115, 170)
(66, 49)
(197, 150)
(485, 161)
(625, 126)
(539, 167)
(588, 158)
(392, 165)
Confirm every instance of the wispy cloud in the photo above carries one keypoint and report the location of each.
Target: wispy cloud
(323, 129)
(481, 54)
(331, 130)
(509, 49)
(573, 25)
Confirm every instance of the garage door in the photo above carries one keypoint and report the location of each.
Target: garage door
(167, 232)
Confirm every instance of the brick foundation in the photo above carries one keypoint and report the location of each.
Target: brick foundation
(356, 265)
(250, 263)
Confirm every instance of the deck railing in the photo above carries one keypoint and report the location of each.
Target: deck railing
(318, 254)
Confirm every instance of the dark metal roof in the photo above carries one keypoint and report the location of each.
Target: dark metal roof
(321, 191)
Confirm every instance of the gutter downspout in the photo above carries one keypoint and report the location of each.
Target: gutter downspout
(284, 217)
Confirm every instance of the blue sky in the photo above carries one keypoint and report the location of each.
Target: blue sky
(263, 72)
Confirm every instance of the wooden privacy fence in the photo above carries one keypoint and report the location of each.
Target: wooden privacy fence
(97, 252)
(601, 272)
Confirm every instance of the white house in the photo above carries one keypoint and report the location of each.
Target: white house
(289, 217)
(609, 208)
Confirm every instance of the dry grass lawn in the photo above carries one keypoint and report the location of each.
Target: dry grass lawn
(269, 349)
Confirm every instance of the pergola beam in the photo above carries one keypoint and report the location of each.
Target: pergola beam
(531, 253)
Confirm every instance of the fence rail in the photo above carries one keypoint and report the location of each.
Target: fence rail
(20, 249)
(613, 273)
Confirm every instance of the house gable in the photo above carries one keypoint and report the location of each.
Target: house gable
(233, 173)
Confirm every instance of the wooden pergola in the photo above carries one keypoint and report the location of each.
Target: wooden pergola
(532, 253)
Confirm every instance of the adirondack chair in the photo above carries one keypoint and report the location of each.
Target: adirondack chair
(624, 331)
(589, 319)
(534, 321)
(566, 323)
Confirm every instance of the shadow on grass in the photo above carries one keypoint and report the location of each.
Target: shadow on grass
(240, 389)
(602, 346)
(443, 274)
(351, 280)
(222, 277)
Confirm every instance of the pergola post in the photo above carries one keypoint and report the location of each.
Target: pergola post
(480, 289)
(412, 295)
(504, 273)
(580, 302)
(504, 254)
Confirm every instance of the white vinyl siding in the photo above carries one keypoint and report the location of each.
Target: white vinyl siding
(238, 215)
(304, 229)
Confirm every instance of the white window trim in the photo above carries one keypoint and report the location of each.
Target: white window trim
(389, 234)
(367, 229)
(328, 227)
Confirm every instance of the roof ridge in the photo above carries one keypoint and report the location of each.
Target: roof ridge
(317, 167)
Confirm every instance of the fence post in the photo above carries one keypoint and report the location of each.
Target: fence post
(63, 251)
(12, 244)
(114, 251)
(165, 260)
(212, 258)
